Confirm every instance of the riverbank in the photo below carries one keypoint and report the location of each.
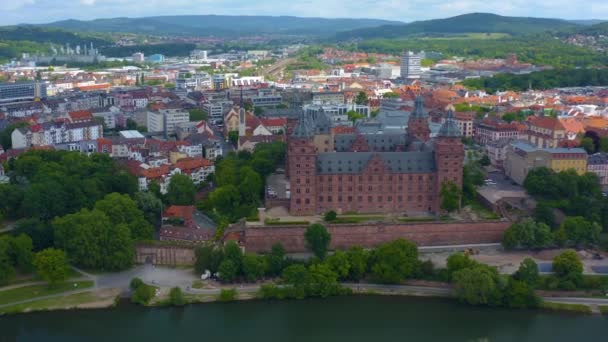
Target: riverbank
(100, 299)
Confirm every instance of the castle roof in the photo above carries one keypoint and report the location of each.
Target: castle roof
(304, 128)
(418, 112)
(449, 127)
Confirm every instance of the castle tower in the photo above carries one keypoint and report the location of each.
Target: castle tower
(301, 156)
(449, 155)
(418, 123)
(323, 139)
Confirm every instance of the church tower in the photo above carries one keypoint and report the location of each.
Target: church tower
(449, 155)
(418, 123)
(301, 157)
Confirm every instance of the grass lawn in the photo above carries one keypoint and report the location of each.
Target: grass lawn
(51, 303)
(603, 309)
(566, 307)
(416, 219)
(28, 292)
(483, 212)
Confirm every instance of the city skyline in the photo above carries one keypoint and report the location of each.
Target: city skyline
(45, 11)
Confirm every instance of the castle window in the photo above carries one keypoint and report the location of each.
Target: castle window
(307, 201)
(409, 198)
(400, 198)
(370, 199)
(307, 190)
(350, 199)
(379, 198)
(390, 198)
(329, 199)
(320, 198)
(297, 190)
(340, 199)
(298, 201)
(370, 188)
(360, 198)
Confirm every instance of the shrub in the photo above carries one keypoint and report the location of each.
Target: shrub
(143, 294)
(330, 216)
(227, 295)
(135, 283)
(176, 297)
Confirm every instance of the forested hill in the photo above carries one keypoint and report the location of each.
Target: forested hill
(221, 25)
(467, 23)
(48, 35)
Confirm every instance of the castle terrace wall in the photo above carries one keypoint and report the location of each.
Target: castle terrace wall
(261, 238)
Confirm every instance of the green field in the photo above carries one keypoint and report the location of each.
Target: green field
(33, 291)
(471, 36)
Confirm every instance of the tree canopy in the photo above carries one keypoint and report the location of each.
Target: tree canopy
(317, 240)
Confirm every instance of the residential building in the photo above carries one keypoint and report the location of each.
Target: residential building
(546, 132)
(410, 65)
(22, 91)
(598, 164)
(328, 98)
(493, 130)
(465, 120)
(166, 120)
(53, 133)
(523, 157)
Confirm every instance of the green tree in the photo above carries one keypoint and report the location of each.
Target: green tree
(150, 205)
(354, 116)
(251, 185)
(40, 232)
(457, 262)
(143, 294)
(92, 241)
(478, 286)
(394, 261)
(543, 213)
(52, 265)
(254, 267)
(588, 145)
(485, 161)
(568, 267)
(21, 252)
(579, 231)
(181, 190)
(7, 271)
(228, 271)
(176, 297)
(233, 136)
(322, 281)
(234, 253)
(208, 257)
(450, 196)
(135, 283)
(358, 261)
(390, 95)
(276, 259)
(527, 234)
(330, 216)
(527, 272)
(317, 240)
(361, 98)
(339, 264)
(520, 295)
(604, 144)
(121, 209)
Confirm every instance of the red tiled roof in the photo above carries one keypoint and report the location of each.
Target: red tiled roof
(274, 122)
(547, 122)
(81, 115)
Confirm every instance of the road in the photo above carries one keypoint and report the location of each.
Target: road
(577, 300)
(275, 69)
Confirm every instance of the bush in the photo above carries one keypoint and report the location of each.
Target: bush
(176, 297)
(143, 294)
(569, 269)
(228, 271)
(135, 283)
(330, 216)
(227, 295)
(457, 262)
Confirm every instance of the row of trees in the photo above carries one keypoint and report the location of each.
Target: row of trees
(547, 79)
(574, 231)
(240, 179)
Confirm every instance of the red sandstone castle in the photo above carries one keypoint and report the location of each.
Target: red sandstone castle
(372, 173)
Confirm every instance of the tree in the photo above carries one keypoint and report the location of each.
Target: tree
(317, 240)
(21, 252)
(233, 252)
(579, 231)
(354, 116)
(527, 234)
(52, 265)
(485, 161)
(361, 98)
(176, 297)
(394, 261)
(450, 196)
(228, 271)
(150, 205)
(339, 264)
(181, 190)
(251, 185)
(131, 124)
(358, 261)
(527, 272)
(390, 95)
(40, 232)
(143, 294)
(275, 259)
(121, 209)
(7, 271)
(543, 213)
(568, 267)
(588, 145)
(604, 144)
(298, 278)
(478, 285)
(258, 111)
(457, 262)
(520, 295)
(233, 136)
(330, 216)
(208, 257)
(92, 241)
(254, 267)
(135, 283)
(322, 281)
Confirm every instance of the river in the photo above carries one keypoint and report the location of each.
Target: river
(362, 318)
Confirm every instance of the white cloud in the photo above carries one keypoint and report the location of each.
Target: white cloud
(36, 11)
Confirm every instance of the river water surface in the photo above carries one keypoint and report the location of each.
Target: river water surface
(356, 318)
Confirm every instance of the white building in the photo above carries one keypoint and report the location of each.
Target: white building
(410, 65)
(170, 117)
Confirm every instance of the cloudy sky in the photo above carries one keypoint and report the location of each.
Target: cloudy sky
(41, 11)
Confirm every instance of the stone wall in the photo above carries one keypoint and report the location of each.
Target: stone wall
(260, 239)
(164, 255)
